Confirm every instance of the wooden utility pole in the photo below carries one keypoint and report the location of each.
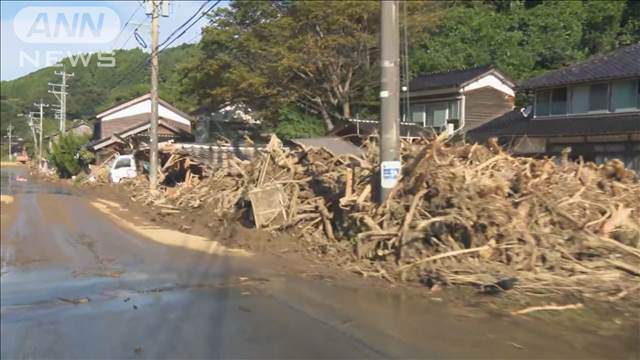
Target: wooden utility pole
(41, 105)
(153, 129)
(389, 97)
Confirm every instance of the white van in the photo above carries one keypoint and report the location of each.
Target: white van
(124, 166)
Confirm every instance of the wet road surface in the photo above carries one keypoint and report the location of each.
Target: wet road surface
(75, 285)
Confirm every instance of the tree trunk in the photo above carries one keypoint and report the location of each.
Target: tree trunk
(328, 124)
(346, 109)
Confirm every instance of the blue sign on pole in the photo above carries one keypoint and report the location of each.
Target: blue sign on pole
(389, 173)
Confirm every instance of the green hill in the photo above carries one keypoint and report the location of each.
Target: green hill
(92, 88)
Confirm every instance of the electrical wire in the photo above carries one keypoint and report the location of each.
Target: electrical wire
(185, 23)
(147, 60)
(139, 39)
(190, 26)
(131, 36)
(128, 21)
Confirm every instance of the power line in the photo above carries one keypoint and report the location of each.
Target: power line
(132, 34)
(146, 60)
(128, 21)
(185, 23)
(190, 26)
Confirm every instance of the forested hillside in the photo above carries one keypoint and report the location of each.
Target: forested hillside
(309, 65)
(93, 88)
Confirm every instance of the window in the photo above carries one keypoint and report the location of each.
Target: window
(598, 95)
(559, 101)
(624, 95)
(454, 110)
(418, 113)
(437, 114)
(542, 102)
(123, 162)
(580, 99)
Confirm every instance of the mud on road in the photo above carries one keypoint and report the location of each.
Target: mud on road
(77, 284)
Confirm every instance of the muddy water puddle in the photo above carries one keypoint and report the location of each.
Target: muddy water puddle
(459, 329)
(16, 180)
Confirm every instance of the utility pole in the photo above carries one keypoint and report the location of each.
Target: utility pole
(57, 112)
(41, 105)
(153, 129)
(60, 92)
(29, 117)
(9, 130)
(156, 8)
(389, 97)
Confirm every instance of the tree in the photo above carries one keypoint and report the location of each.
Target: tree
(68, 156)
(321, 56)
(524, 38)
(293, 123)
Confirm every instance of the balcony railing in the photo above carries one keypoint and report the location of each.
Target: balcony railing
(408, 130)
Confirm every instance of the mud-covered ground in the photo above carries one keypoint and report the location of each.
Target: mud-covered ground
(76, 283)
(294, 255)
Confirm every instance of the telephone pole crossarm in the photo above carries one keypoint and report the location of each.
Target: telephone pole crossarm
(60, 92)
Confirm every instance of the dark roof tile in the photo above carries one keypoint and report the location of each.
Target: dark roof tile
(514, 123)
(620, 64)
(447, 79)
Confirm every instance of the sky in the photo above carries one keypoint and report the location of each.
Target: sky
(34, 33)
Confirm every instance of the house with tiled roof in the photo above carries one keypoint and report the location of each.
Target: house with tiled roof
(591, 108)
(454, 101)
(120, 125)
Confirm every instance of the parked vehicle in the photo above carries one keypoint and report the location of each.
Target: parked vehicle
(124, 167)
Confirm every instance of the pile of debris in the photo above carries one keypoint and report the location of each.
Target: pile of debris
(460, 214)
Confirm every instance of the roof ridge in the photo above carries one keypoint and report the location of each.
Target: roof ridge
(597, 57)
(618, 55)
(443, 72)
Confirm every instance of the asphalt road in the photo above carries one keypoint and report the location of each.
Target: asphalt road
(75, 285)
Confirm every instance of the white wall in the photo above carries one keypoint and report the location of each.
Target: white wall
(492, 81)
(144, 107)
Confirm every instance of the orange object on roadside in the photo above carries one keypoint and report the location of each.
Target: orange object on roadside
(23, 157)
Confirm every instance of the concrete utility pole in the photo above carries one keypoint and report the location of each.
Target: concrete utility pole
(60, 92)
(41, 105)
(389, 97)
(9, 130)
(57, 111)
(153, 129)
(29, 117)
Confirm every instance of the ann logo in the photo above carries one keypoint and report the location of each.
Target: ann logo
(77, 26)
(66, 25)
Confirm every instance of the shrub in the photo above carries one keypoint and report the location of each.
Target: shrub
(293, 123)
(68, 155)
